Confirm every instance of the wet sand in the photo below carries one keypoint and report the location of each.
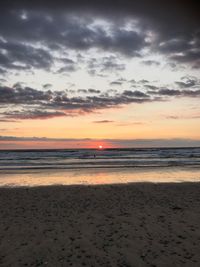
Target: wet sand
(110, 225)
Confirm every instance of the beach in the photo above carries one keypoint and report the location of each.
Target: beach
(100, 133)
(138, 224)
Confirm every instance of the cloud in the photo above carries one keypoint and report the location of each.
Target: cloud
(25, 95)
(93, 91)
(32, 34)
(184, 49)
(8, 120)
(150, 63)
(188, 81)
(111, 64)
(38, 104)
(44, 139)
(189, 117)
(68, 65)
(174, 92)
(47, 85)
(104, 65)
(18, 85)
(116, 83)
(28, 103)
(89, 91)
(150, 86)
(33, 114)
(103, 121)
(67, 68)
(2, 80)
(84, 91)
(174, 46)
(168, 92)
(143, 81)
(18, 55)
(190, 56)
(135, 94)
(59, 31)
(130, 123)
(3, 71)
(164, 12)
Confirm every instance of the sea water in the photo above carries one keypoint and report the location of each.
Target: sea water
(103, 166)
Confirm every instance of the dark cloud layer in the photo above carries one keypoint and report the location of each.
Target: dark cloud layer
(34, 104)
(35, 35)
(151, 9)
(29, 30)
(22, 56)
(19, 102)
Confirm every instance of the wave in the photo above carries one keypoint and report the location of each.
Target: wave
(108, 158)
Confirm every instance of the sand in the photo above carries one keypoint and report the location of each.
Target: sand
(112, 225)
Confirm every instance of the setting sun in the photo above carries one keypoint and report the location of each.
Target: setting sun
(100, 146)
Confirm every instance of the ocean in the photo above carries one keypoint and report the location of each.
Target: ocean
(25, 167)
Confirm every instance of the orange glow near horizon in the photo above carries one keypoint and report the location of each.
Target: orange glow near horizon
(132, 122)
(84, 144)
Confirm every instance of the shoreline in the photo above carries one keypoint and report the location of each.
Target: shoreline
(97, 176)
(135, 224)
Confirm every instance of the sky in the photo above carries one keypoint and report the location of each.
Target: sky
(88, 73)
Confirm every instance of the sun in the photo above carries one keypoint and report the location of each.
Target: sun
(100, 146)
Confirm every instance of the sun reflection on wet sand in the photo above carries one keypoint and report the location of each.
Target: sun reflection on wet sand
(97, 176)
